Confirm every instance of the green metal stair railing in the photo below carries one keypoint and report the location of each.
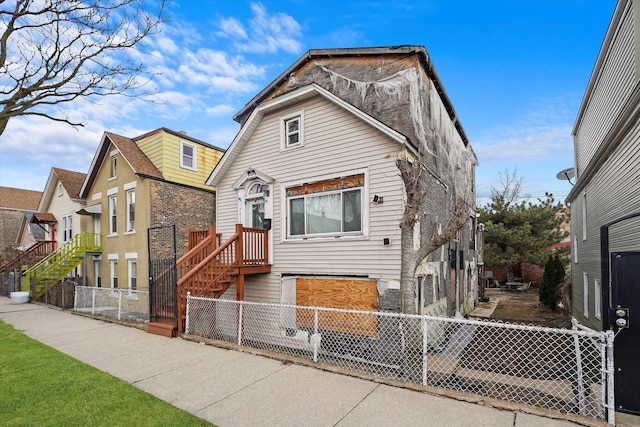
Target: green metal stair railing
(61, 262)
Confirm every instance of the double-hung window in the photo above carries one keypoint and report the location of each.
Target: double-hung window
(131, 210)
(292, 130)
(67, 228)
(326, 208)
(114, 273)
(132, 268)
(187, 156)
(97, 266)
(113, 223)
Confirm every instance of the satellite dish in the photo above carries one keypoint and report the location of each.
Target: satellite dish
(566, 174)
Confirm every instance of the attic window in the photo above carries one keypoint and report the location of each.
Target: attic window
(187, 156)
(60, 192)
(292, 130)
(113, 166)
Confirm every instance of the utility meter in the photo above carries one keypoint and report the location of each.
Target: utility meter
(619, 316)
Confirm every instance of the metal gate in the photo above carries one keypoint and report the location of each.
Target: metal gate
(620, 300)
(625, 299)
(162, 274)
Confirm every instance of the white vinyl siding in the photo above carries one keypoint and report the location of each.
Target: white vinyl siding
(335, 142)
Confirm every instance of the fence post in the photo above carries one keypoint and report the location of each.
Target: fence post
(119, 302)
(316, 342)
(93, 302)
(187, 313)
(611, 409)
(75, 298)
(240, 312)
(580, 380)
(424, 350)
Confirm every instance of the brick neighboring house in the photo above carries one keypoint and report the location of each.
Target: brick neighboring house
(315, 162)
(137, 183)
(15, 203)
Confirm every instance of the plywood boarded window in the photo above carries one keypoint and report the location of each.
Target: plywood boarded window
(352, 294)
(326, 208)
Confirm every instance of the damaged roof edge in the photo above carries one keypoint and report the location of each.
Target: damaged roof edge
(355, 51)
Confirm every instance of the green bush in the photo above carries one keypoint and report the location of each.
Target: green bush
(552, 280)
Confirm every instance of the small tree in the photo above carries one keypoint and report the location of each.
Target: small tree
(519, 230)
(552, 280)
(53, 52)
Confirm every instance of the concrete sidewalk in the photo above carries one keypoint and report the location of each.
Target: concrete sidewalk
(231, 388)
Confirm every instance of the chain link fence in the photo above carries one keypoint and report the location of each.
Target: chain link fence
(562, 370)
(119, 304)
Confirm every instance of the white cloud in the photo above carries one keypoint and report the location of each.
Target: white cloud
(219, 111)
(232, 28)
(32, 145)
(267, 33)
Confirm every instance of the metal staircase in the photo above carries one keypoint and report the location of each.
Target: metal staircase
(61, 262)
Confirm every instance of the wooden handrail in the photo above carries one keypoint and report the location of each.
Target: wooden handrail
(35, 249)
(208, 259)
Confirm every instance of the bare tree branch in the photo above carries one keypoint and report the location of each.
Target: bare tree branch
(56, 51)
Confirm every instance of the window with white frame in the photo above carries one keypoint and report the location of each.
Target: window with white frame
(60, 190)
(596, 296)
(131, 210)
(187, 156)
(585, 290)
(97, 268)
(575, 249)
(584, 216)
(292, 130)
(67, 228)
(113, 166)
(114, 273)
(133, 273)
(113, 217)
(326, 208)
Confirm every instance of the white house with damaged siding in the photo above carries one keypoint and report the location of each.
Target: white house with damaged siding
(315, 162)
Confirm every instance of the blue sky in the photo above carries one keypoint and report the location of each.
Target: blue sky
(515, 71)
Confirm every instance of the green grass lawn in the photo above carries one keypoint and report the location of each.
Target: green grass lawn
(41, 386)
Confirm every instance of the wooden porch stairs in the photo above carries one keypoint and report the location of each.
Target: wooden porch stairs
(30, 256)
(210, 268)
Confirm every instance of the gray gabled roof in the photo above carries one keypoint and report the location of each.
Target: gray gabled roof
(315, 54)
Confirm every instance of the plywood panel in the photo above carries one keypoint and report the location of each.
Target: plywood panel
(353, 294)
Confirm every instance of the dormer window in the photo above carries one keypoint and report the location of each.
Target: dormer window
(292, 130)
(187, 156)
